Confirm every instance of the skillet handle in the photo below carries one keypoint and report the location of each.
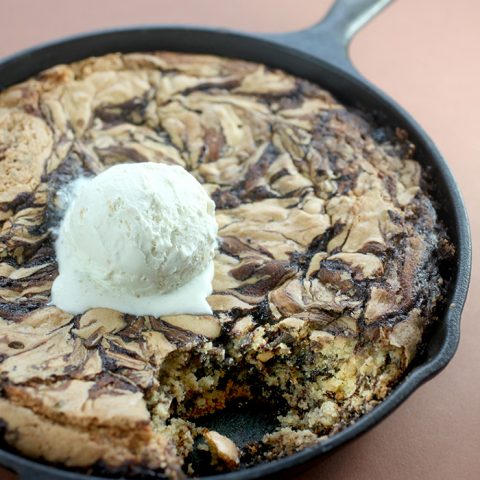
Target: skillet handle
(329, 39)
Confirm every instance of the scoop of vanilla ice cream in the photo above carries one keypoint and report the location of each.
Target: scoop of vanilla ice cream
(137, 230)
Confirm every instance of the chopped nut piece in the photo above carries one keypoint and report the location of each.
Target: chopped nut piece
(223, 449)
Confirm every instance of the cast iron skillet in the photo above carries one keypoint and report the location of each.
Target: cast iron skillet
(318, 54)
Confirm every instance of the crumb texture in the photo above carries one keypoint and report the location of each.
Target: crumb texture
(326, 276)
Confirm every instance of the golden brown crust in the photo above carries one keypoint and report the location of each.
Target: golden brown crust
(37, 437)
(325, 279)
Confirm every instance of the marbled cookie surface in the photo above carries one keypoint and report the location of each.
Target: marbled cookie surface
(326, 276)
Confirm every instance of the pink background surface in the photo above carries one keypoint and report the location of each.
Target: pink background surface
(425, 54)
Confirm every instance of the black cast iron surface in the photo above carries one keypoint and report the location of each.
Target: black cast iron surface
(318, 54)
